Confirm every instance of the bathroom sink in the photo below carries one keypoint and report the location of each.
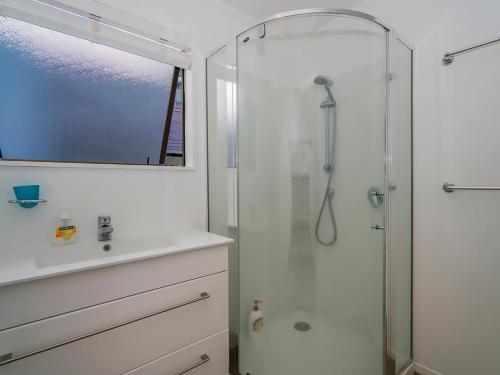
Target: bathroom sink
(97, 250)
(25, 262)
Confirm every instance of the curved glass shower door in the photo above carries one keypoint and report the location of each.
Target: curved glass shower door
(312, 94)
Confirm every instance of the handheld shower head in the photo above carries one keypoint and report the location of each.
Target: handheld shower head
(327, 82)
(322, 80)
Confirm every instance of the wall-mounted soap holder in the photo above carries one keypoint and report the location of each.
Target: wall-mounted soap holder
(28, 196)
(27, 201)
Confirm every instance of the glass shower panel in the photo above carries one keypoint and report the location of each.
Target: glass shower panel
(221, 118)
(400, 192)
(221, 133)
(323, 306)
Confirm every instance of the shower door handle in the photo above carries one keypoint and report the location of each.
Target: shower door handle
(378, 227)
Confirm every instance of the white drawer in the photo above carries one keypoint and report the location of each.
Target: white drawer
(31, 301)
(207, 357)
(128, 346)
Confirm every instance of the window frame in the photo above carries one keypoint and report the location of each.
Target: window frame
(104, 165)
(183, 156)
(164, 154)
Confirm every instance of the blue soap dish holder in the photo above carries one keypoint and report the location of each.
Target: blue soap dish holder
(27, 196)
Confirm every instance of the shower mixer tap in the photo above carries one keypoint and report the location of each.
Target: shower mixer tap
(375, 197)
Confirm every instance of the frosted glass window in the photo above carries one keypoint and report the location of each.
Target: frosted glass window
(67, 99)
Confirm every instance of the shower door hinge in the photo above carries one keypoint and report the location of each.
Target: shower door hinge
(390, 76)
(377, 227)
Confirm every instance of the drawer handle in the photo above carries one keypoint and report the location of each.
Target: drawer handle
(204, 359)
(9, 357)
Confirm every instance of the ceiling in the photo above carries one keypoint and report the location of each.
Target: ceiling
(259, 9)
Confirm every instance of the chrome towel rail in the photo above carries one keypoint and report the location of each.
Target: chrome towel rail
(449, 188)
(10, 357)
(449, 57)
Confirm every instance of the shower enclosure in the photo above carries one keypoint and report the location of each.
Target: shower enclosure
(310, 169)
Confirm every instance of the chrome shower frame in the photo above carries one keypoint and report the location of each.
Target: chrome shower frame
(388, 368)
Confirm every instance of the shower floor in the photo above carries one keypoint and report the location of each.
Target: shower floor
(324, 349)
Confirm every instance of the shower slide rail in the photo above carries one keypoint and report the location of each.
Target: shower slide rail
(449, 188)
(449, 57)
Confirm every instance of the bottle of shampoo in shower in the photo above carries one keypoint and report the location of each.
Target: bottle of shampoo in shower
(255, 321)
(65, 233)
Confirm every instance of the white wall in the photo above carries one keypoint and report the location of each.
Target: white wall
(411, 19)
(140, 201)
(457, 302)
(203, 24)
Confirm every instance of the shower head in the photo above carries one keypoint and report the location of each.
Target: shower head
(327, 82)
(322, 80)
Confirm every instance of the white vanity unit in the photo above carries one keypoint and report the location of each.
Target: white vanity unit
(159, 309)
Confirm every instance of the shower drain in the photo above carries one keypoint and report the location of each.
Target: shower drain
(302, 326)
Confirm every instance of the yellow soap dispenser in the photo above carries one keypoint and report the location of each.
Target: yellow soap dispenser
(65, 233)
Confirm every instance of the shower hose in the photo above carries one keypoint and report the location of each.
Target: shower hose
(327, 201)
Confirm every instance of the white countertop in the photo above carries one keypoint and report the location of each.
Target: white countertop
(52, 261)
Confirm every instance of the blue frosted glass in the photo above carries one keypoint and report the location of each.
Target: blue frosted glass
(64, 98)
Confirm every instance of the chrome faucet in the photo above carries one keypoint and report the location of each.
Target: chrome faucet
(104, 228)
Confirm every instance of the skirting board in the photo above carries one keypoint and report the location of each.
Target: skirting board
(422, 370)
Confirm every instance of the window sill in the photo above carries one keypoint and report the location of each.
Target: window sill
(48, 164)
